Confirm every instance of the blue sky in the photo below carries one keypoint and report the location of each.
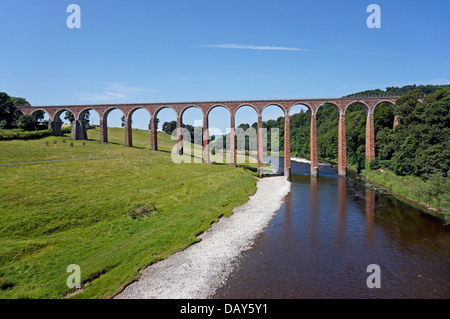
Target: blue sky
(195, 50)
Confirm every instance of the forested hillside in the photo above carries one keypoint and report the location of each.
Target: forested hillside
(419, 144)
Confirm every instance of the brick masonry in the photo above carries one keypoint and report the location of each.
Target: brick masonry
(79, 132)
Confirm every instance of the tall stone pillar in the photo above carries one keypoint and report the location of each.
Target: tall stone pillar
(180, 134)
(260, 153)
(205, 138)
(103, 129)
(232, 140)
(154, 133)
(128, 132)
(55, 126)
(342, 145)
(78, 130)
(313, 145)
(370, 137)
(287, 145)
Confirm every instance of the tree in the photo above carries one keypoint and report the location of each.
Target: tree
(9, 113)
(169, 127)
(420, 144)
(26, 122)
(39, 115)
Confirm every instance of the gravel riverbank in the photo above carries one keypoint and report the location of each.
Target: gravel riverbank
(199, 270)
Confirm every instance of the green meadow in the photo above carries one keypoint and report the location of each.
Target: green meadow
(83, 212)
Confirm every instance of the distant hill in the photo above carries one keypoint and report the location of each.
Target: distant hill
(396, 91)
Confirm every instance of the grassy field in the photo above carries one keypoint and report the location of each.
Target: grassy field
(77, 212)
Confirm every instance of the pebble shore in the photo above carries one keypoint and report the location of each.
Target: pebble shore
(197, 271)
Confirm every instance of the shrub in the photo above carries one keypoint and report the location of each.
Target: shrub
(377, 163)
(23, 135)
(143, 211)
(26, 122)
(6, 283)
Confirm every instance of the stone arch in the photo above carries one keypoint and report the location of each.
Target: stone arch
(82, 113)
(391, 103)
(208, 111)
(339, 152)
(57, 115)
(55, 127)
(56, 124)
(358, 116)
(339, 108)
(388, 102)
(184, 109)
(33, 113)
(366, 107)
(160, 108)
(110, 109)
(272, 138)
(104, 122)
(244, 105)
(154, 126)
(143, 112)
(79, 125)
(218, 151)
(189, 141)
(307, 105)
(138, 108)
(304, 121)
(242, 133)
(275, 104)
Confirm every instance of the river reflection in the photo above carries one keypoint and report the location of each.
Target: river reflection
(328, 231)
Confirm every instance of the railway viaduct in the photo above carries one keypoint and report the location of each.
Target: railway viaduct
(341, 104)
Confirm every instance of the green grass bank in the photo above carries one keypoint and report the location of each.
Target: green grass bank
(434, 194)
(56, 214)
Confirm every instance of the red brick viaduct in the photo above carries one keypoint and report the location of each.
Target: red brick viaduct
(341, 104)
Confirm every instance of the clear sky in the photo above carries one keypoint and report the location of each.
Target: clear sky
(195, 50)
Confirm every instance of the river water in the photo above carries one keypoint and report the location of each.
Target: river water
(329, 230)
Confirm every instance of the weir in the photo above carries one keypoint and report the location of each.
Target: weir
(341, 104)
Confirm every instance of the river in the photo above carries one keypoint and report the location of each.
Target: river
(329, 230)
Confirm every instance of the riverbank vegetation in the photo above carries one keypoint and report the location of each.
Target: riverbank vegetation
(417, 148)
(93, 212)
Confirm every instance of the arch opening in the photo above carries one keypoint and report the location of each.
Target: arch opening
(91, 119)
(274, 137)
(42, 119)
(300, 136)
(356, 124)
(246, 123)
(114, 125)
(166, 119)
(63, 123)
(219, 124)
(327, 123)
(193, 139)
(140, 127)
